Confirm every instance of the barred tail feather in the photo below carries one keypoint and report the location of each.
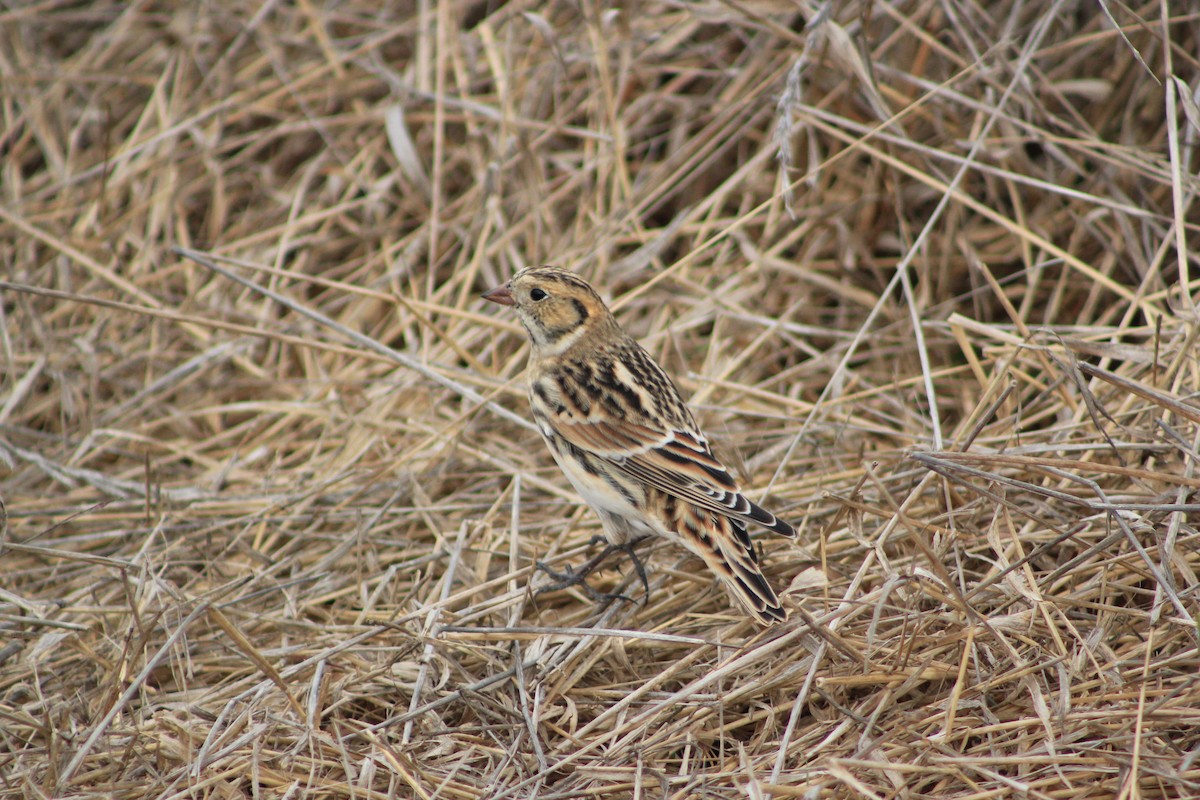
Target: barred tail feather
(727, 550)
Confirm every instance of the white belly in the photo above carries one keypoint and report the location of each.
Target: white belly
(622, 518)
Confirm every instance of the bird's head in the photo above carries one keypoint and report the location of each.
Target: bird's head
(558, 308)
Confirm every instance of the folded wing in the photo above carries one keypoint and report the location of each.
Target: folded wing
(677, 462)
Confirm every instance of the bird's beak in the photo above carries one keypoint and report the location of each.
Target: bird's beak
(501, 295)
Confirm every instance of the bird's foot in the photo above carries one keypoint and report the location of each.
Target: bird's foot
(570, 577)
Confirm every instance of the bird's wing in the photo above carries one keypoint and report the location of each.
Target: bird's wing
(677, 462)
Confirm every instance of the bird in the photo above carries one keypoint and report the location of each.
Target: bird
(622, 434)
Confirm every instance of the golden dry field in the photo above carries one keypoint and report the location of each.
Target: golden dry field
(272, 503)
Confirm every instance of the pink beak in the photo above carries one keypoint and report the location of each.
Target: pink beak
(501, 295)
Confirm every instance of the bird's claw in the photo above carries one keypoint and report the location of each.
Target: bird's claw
(568, 578)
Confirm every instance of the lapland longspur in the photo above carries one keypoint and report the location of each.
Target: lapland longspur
(623, 436)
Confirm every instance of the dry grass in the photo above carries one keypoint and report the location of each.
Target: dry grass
(247, 554)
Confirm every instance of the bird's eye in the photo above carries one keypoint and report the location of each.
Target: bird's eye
(536, 294)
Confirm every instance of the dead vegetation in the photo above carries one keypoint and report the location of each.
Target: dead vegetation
(924, 268)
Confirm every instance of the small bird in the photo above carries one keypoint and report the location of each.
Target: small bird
(623, 436)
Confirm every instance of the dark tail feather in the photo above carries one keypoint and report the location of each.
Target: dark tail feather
(760, 516)
(731, 556)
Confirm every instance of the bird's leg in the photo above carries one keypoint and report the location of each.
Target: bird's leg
(638, 567)
(578, 576)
